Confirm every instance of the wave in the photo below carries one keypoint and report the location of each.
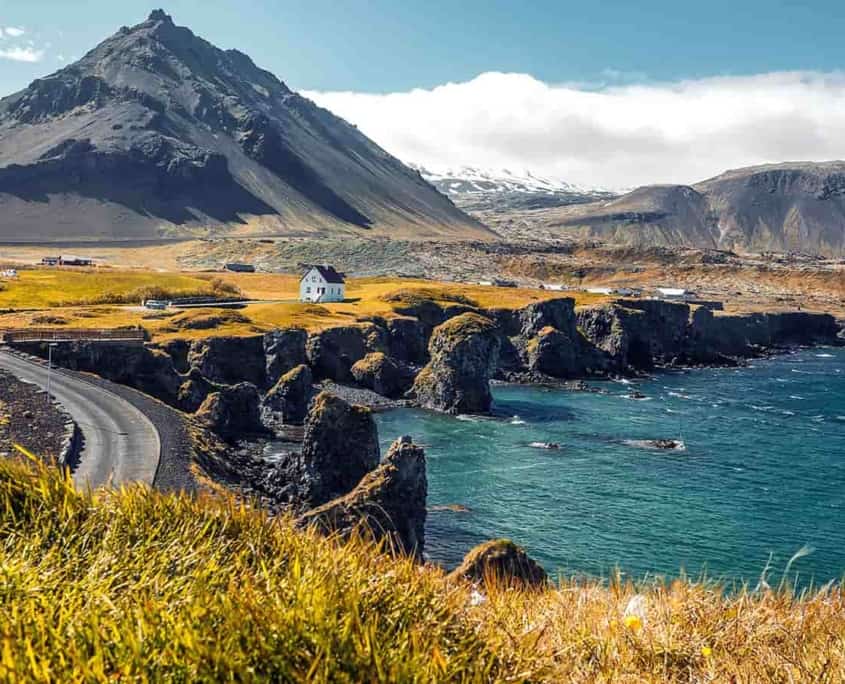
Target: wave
(824, 356)
(657, 444)
(516, 420)
(796, 396)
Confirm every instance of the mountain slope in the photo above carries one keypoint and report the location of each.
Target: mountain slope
(788, 207)
(157, 133)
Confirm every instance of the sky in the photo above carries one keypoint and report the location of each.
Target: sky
(598, 93)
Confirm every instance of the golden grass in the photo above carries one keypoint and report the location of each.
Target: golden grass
(141, 586)
(50, 292)
(47, 288)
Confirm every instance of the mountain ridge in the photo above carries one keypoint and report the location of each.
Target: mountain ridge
(781, 207)
(157, 133)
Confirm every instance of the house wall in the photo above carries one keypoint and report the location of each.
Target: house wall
(314, 288)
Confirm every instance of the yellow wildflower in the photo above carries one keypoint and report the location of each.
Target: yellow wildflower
(633, 622)
(706, 651)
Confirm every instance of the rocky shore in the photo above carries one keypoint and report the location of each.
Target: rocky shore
(28, 417)
(313, 391)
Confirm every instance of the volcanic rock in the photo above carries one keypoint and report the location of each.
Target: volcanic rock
(388, 503)
(464, 353)
(503, 561)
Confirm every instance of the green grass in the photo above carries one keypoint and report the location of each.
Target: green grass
(133, 585)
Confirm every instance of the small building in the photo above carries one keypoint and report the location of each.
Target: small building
(70, 260)
(51, 260)
(672, 293)
(240, 268)
(600, 290)
(322, 283)
(9, 273)
(157, 304)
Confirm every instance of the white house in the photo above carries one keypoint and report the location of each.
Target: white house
(322, 284)
(672, 293)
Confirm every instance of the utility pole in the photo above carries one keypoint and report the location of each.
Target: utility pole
(49, 366)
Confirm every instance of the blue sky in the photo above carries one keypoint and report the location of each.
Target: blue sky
(598, 93)
(383, 46)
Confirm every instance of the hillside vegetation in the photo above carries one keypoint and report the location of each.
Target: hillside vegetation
(89, 299)
(137, 585)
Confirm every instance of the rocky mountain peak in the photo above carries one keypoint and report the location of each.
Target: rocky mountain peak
(160, 15)
(158, 132)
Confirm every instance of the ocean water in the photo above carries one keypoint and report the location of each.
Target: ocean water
(762, 476)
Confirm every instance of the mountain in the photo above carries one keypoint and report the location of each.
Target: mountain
(483, 190)
(788, 207)
(157, 133)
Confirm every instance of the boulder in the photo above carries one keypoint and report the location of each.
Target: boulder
(378, 372)
(289, 397)
(389, 502)
(340, 447)
(464, 354)
(332, 352)
(284, 350)
(500, 561)
(230, 360)
(232, 412)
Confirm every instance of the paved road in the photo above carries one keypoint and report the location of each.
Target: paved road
(120, 444)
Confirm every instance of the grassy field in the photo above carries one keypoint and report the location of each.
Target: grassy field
(87, 299)
(134, 585)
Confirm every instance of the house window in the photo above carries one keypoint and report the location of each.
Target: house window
(308, 290)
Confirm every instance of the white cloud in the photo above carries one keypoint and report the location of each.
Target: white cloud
(617, 136)
(13, 31)
(22, 54)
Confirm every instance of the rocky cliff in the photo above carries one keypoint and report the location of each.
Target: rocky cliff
(157, 133)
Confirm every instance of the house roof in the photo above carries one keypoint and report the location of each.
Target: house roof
(328, 273)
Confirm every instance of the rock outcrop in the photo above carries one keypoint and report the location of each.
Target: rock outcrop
(388, 503)
(464, 353)
(332, 352)
(340, 447)
(284, 350)
(230, 360)
(232, 412)
(289, 397)
(500, 561)
(378, 372)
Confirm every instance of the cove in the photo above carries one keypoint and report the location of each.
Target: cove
(763, 474)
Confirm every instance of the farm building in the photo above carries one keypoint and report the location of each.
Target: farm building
(322, 283)
(240, 268)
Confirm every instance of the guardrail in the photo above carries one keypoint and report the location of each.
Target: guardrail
(56, 335)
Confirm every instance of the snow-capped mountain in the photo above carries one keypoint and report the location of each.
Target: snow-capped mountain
(477, 189)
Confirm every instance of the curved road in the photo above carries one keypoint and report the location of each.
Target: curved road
(120, 444)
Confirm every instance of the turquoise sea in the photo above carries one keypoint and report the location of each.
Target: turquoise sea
(762, 476)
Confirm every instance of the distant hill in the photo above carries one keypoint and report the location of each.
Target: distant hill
(157, 133)
(788, 207)
(498, 191)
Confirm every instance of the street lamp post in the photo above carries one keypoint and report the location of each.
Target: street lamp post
(49, 366)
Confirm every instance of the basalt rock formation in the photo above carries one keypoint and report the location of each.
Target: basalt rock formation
(288, 399)
(378, 372)
(340, 447)
(501, 561)
(232, 412)
(464, 354)
(332, 352)
(156, 133)
(389, 502)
